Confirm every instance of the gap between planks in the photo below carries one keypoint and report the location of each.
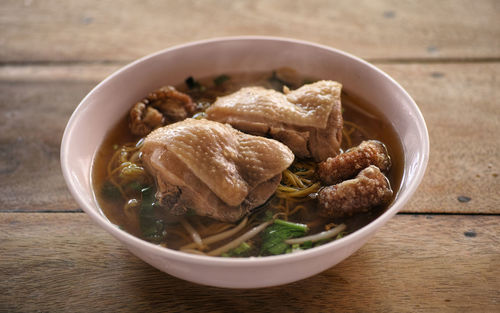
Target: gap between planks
(429, 60)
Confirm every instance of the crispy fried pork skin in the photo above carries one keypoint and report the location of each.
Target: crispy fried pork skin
(370, 188)
(212, 168)
(308, 120)
(349, 163)
(144, 118)
(163, 106)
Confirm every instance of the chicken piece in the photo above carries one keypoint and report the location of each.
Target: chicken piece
(284, 76)
(212, 168)
(308, 120)
(369, 189)
(349, 163)
(163, 106)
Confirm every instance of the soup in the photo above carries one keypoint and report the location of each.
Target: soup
(287, 222)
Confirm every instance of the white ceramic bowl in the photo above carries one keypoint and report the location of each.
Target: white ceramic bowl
(109, 101)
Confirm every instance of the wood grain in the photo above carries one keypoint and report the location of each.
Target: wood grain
(62, 262)
(33, 118)
(51, 31)
(459, 102)
(445, 53)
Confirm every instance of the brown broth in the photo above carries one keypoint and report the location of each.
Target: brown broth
(356, 111)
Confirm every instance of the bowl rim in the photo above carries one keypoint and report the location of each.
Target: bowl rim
(98, 217)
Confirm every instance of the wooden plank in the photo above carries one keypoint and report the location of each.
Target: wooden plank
(459, 103)
(63, 262)
(33, 118)
(83, 73)
(38, 31)
(462, 111)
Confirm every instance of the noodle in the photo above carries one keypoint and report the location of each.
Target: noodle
(297, 193)
(281, 206)
(356, 127)
(286, 189)
(297, 208)
(297, 184)
(347, 137)
(180, 234)
(298, 181)
(127, 155)
(216, 228)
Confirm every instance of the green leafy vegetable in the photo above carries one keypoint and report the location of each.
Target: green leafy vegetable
(110, 191)
(219, 80)
(242, 250)
(135, 186)
(152, 228)
(273, 237)
(301, 246)
(306, 245)
(268, 215)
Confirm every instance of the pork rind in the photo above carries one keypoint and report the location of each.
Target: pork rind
(161, 107)
(370, 188)
(349, 163)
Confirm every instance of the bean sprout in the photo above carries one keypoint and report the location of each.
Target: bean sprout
(219, 236)
(317, 237)
(194, 234)
(238, 241)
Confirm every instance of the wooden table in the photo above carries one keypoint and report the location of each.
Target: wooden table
(440, 254)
